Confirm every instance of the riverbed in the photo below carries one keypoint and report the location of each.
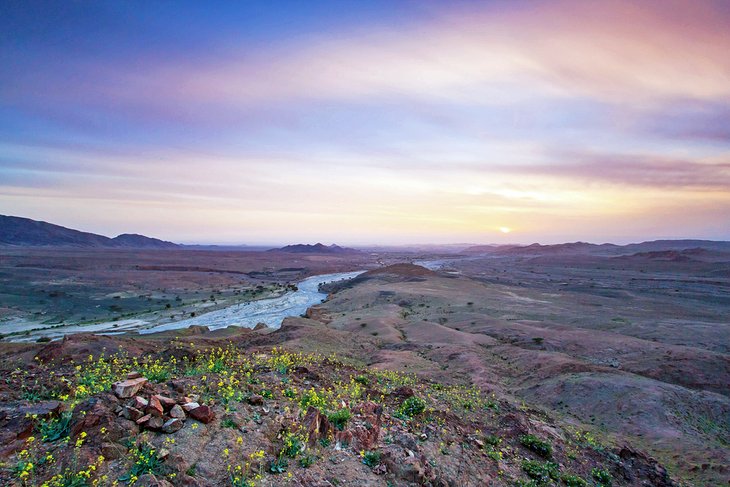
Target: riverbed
(270, 311)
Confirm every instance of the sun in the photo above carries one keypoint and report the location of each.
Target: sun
(505, 229)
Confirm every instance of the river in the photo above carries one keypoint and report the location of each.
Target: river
(270, 311)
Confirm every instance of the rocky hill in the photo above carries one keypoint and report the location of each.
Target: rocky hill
(240, 410)
(317, 248)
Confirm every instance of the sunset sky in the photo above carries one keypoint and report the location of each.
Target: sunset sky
(368, 122)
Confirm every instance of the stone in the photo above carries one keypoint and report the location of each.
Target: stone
(154, 423)
(316, 425)
(140, 403)
(260, 326)
(177, 412)
(256, 400)
(403, 392)
(128, 388)
(131, 413)
(166, 402)
(144, 419)
(113, 451)
(204, 414)
(154, 407)
(190, 406)
(172, 425)
(133, 375)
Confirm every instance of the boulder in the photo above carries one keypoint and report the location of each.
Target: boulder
(256, 400)
(177, 412)
(131, 413)
(190, 406)
(204, 414)
(172, 425)
(166, 402)
(154, 423)
(128, 388)
(154, 407)
(140, 403)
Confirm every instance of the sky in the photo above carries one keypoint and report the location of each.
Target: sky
(362, 122)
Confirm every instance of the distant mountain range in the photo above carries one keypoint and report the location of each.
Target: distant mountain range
(606, 249)
(317, 248)
(24, 232)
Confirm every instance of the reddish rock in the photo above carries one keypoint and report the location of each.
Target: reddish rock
(190, 406)
(166, 402)
(154, 407)
(177, 412)
(154, 423)
(204, 414)
(403, 392)
(128, 388)
(144, 419)
(134, 375)
(256, 400)
(140, 403)
(131, 413)
(172, 425)
(316, 425)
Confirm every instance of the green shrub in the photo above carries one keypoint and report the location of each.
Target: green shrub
(602, 476)
(535, 444)
(371, 458)
(54, 429)
(145, 461)
(339, 418)
(411, 407)
(573, 480)
(279, 465)
(541, 473)
(307, 461)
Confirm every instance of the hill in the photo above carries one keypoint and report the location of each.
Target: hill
(317, 248)
(24, 232)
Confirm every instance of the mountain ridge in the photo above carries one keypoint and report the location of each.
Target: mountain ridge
(18, 231)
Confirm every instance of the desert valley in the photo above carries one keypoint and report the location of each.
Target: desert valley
(531, 364)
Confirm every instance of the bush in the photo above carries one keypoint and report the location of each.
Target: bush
(573, 480)
(535, 444)
(339, 418)
(371, 458)
(541, 473)
(279, 465)
(413, 406)
(55, 428)
(602, 476)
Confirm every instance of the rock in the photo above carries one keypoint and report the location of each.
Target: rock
(133, 375)
(154, 407)
(260, 326)
(131, 413)
(172, 425)
(177, 412)
(316, 425)
(140, 403)
(128, 388)
(113, 451)
(154, 423)
(177, 385)
(166, 402)
(144, 419)
(403, 392)
(190, 406)
(256, 400)
(149, 480)
(204, 414)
